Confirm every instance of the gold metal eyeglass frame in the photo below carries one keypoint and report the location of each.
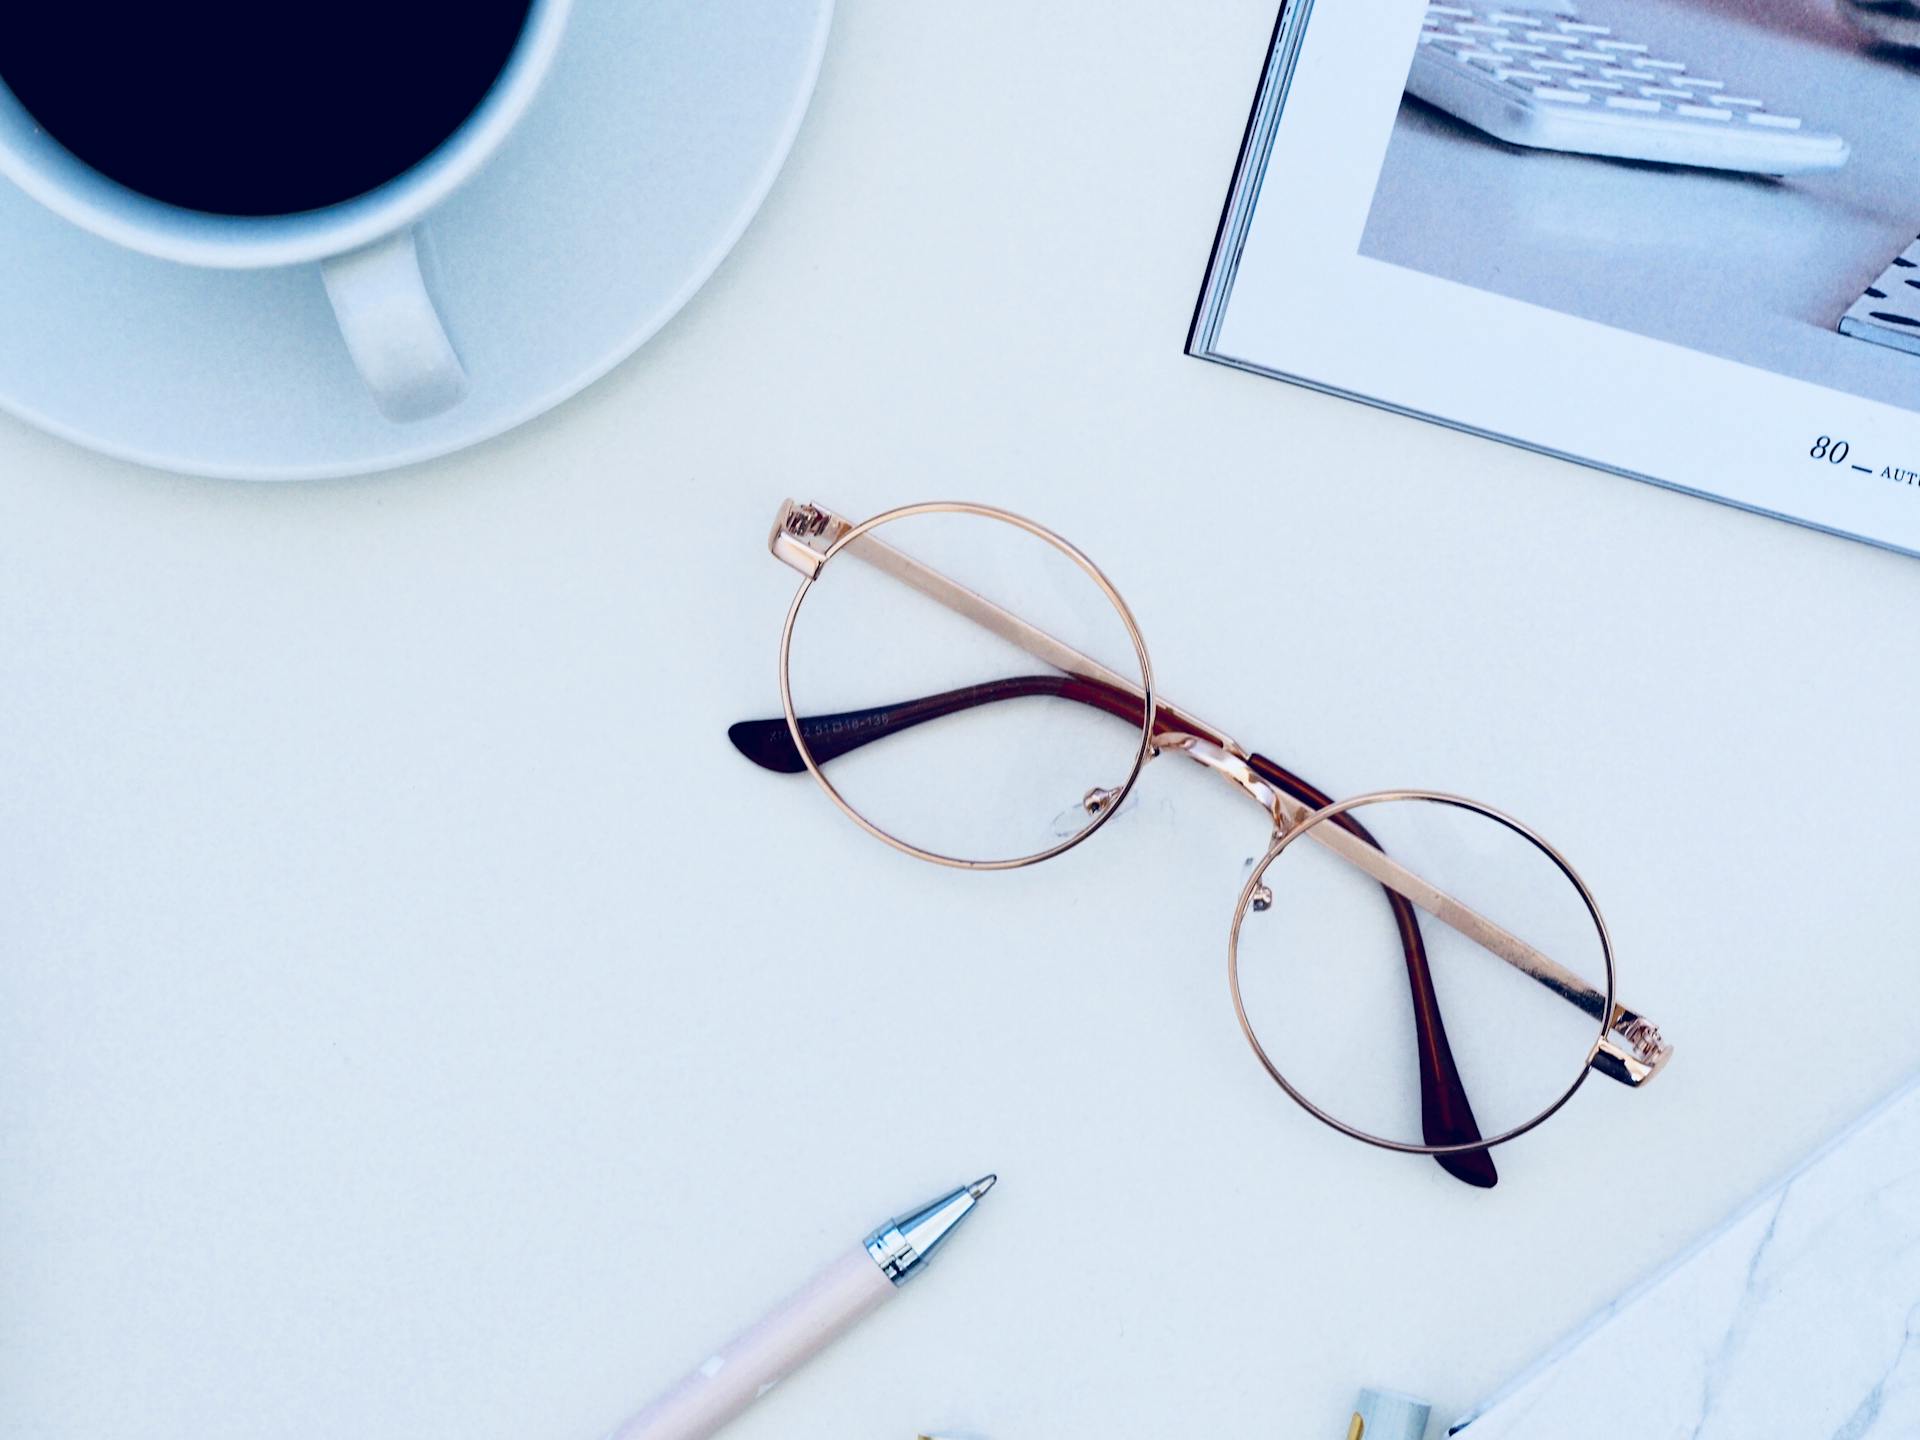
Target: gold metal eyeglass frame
(792, 541)
(1628, 1048)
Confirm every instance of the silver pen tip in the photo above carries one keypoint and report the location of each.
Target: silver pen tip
(982, 1185)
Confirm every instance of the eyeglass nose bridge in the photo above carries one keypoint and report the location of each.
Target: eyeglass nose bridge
(1230, 760)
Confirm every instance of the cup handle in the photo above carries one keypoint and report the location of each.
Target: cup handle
(392, 330)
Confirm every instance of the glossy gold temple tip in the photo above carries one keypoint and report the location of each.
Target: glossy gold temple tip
(1357, 1427)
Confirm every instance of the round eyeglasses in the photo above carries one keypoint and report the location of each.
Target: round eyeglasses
(1415, 969)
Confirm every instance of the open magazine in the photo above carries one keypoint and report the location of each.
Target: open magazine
(1675, 239)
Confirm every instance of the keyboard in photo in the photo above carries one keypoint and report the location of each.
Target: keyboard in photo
(1545, 79)
(1889, 312)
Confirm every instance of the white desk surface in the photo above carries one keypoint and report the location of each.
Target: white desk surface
(415, 1020)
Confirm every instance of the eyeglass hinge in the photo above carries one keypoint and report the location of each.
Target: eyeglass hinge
(802, 534)
(1632, 1051)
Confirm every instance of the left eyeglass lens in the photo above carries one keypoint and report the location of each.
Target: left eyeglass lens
(943, 733)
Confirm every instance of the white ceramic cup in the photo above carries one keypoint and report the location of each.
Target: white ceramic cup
(366, 247)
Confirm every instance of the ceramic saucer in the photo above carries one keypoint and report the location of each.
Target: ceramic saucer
(653, 143)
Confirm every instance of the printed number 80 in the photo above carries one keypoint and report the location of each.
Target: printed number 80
(1826, 448)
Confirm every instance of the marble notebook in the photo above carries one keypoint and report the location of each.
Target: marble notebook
(1798, 1317)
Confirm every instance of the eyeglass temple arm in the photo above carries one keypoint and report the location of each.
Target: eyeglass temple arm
(770, 744)
(1447, 1115)
(804, 534)
(1631, 1049)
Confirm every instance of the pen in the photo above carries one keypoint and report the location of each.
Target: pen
(804, 1324)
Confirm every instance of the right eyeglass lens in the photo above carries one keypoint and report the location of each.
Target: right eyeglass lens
(951, 735)
(1334, 1001)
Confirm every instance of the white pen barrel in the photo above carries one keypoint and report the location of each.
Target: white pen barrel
(753, 1363)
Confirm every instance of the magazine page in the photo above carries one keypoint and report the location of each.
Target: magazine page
(1672, 238)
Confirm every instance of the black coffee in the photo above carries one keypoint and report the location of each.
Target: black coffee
(254, 107)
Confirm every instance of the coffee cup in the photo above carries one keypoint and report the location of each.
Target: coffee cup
(235, 135)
